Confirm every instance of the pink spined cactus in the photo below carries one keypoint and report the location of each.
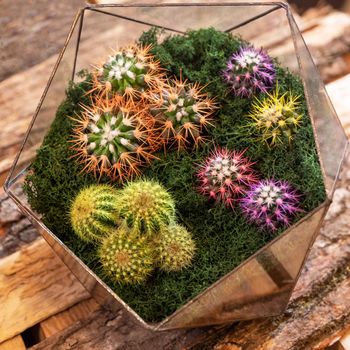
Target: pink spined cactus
(225, 175)
(249, 71)
(270, 204)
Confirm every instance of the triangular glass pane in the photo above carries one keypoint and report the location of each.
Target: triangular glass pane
(329, 133)
(260, 287)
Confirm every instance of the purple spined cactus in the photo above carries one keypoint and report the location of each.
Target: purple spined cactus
(270, 204)
(249, 71)
(225, 175)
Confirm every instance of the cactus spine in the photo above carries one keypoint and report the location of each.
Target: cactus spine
(93, 212)
(126, 256)
(175, 248)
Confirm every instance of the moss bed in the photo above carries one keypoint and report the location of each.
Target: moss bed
(224, 238)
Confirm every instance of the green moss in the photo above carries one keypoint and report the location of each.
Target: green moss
(223, 237)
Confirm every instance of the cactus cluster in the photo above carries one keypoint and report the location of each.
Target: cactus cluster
(270, 204)
(93, 213)
(134, 111)
(129, 71)
(225, 175)
(182, 111)
(114, 138)
(249, 71)
(126, 256)
(275, 118)
(135, 228)
(228, 177)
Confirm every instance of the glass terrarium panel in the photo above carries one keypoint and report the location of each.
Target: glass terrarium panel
(329, 134)
(52, 97)
(270, 31)
(118, 26)
(259, 287)
(103, 33)
(182, 17)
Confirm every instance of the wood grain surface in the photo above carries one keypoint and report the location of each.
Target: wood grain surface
(37, 289)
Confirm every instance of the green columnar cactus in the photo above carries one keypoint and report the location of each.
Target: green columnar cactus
(275, 118)
(146, 205)
(126, 256)
(93, 212)
(175, 248)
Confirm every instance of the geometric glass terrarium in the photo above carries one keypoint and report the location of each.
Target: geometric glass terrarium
(258, 285)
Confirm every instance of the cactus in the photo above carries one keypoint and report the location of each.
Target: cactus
(129, 71)
(126, 256)
(93, 213)
(114, 138)
(175, 248)
(146, 205)
(270, 204)
(225, 175)
(249, 71)
(275, 118)
(182, 112)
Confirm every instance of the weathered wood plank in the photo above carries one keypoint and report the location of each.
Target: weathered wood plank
(34, 284)
(339, 93)
(66, 318)
(323, 289)
(15, 343)
(15, 230)
(345, 341)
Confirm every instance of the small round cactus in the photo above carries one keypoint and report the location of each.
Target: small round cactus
(225, 175)
(129, 71)
(114, 138)
(93, 213)
(175, 248)
(275, 118)
(146, 205)
(182, 112)
(270, 204)
(126, 256)
(249, 71)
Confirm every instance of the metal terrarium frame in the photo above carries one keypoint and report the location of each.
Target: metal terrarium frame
(262, 285)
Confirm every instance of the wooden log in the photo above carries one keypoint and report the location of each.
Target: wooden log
(345, 341)
(338, 341)
(103, 330)
(64, 319)
(16, 231)
(339, 93)
(34, 284)
(15, 343)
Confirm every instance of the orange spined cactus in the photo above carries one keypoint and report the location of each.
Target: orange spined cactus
(114, 137)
